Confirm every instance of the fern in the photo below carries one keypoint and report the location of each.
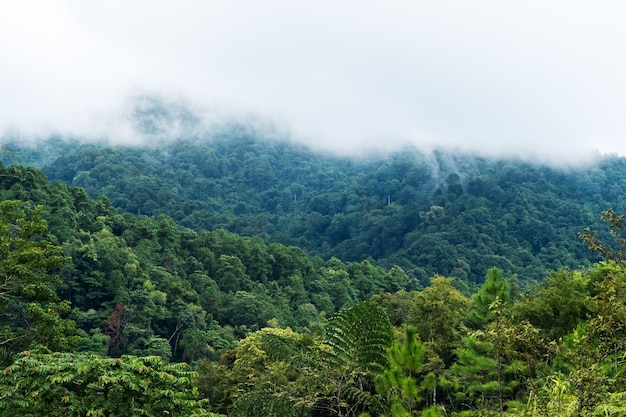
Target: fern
(342, 367)
(352, 353)
(358, 338)
(279, 348)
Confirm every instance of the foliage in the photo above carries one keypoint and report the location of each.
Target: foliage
(352, 352)
(68, 384)
(593, 354)
(198, 286)
(484, 372)
(399, 382)
(489, 302)
(287, 374)
(438, 313)
(30, 311)
(358, 338)
(146, 286)
(429, 212)
(558, 305)
(613, 250)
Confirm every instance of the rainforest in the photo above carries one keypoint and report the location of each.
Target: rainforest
(234, 274)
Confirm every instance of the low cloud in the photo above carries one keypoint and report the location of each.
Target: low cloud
(541, 80)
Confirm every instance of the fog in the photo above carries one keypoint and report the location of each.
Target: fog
(536, 79)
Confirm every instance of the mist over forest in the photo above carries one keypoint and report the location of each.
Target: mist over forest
(297, 281)
(434, 211)
(312, 209)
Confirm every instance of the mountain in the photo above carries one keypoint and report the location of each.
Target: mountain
(429, 212)
(274, 329)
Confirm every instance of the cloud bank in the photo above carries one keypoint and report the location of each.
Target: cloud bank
(535, 79)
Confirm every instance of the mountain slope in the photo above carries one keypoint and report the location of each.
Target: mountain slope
(439, 212)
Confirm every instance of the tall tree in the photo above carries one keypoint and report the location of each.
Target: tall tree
(352, 352)
(30, 313)
(495, 290)
(558, 305)
(437, 312)
(399, 382)
(335, 374)
(479, 373)
(594, 353)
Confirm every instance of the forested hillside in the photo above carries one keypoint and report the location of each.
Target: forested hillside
(437, 212)
(168, 290)
(312, 209)
(99, 307)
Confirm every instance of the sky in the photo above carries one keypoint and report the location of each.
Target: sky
(539, 79)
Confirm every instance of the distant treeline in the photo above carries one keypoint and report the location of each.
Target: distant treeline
(437, 212)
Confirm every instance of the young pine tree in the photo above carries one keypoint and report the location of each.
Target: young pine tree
(399, 382)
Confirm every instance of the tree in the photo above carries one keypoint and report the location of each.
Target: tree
(480, 371)
(613, 247)
(334, 375)
(30, 313)
(352, 353)
(437, 313)
(594, 354)
(115, 324)
(558, 305)
(70, 384)
(264, 375)
(495, 290)
(399, 382)
(215, 383)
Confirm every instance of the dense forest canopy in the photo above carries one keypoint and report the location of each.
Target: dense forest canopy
(309, 209)
(301, 284)
(428, 212)
(168, 290)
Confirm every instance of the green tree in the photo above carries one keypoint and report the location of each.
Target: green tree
(352, 353)
(594, 354)
(231, 274)
(481, 371)
(399, 382)
(612, 247)
(30, 313)
(70, 384)
(217, 384)
(558, 305)
(495, 290)
(334, 375)
(437, 312)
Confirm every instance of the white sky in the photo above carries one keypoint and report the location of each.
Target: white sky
(543, 78)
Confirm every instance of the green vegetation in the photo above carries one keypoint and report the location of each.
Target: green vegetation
(29, 307)
(145, 286)
(262, 272)
(67, 384)
(430, 213)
